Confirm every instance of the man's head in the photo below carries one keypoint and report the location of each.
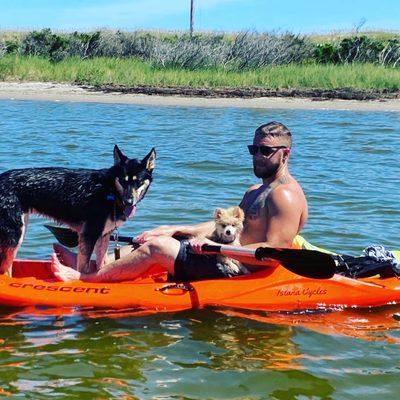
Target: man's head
(270, 149)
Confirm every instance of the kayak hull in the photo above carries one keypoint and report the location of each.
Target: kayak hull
(274, 289)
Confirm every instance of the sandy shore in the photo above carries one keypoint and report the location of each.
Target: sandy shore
(71, 93)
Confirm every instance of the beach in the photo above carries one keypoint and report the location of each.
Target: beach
(48, 91)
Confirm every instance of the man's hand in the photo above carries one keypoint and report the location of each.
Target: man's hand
(196, 243)
(163, 230)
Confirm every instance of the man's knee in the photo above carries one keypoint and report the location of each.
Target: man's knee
(163, 247)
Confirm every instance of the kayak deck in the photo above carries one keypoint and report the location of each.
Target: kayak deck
(274, 289)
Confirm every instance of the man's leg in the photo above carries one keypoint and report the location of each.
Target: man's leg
(160, 250)
(69, 258)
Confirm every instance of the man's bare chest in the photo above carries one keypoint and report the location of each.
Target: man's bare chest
(256, 204)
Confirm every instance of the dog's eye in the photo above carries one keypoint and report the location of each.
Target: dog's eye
(127, 178)
(223, 225)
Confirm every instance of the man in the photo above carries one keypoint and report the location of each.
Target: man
(275, 212)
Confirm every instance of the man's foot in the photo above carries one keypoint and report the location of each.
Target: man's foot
(64, 255)
(69, 258)
(62, 272)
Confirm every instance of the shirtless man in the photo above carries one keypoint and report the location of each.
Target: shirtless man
(275, 212)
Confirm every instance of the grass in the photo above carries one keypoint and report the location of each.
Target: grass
(133, 72)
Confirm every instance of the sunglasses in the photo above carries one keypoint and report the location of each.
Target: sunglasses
(264, 150)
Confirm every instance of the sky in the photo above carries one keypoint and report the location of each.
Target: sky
(297, 16)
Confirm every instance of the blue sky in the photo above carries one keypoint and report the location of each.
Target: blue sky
(301, 16)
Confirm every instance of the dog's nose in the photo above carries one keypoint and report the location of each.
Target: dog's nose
(228, 232)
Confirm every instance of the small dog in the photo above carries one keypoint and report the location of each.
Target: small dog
(91, 202)
(228, 227)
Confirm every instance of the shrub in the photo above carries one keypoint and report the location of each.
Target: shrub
(46, 44)
(190, 53)
(252, 50)
(138, 44)
(83, 45)
(12, 46)
(360, 49)
(241, 51)
(326, 53)
(390, 54)
(3, 48)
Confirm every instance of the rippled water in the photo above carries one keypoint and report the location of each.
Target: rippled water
(348, 164)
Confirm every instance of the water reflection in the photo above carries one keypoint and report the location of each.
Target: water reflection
(127, 354)
(214, 352)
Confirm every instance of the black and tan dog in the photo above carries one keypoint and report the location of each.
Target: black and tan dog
(91, 202)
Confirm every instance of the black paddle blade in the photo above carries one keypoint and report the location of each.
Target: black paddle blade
(308, 263)
(65, 236)
(69, 238)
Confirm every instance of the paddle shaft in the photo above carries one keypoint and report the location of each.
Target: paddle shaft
(308, 263)
(235, 251)
(260, 253)
(123, 239)
(229, 251)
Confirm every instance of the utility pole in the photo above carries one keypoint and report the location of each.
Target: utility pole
(191, 17)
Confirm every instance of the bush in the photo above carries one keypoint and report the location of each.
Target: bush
(360, 49)
(252, 50)
(45, 44)
(390, 55)
(3, 48)
(189, 53)
(83, 45)
(242, 51)
(326, 53)
(137, 44)
(12, 46)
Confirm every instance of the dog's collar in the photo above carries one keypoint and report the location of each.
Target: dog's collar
(110, 197)
(113, 197)
(129, 211)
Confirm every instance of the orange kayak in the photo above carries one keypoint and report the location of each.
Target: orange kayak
(274, 289)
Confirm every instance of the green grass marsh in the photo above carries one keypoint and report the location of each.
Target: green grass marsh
(205, 60)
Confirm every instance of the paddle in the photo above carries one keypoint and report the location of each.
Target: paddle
(69, 238)
(309, 263)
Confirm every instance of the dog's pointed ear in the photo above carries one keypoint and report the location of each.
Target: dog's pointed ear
(238, 213)
(119, 157)
(218, 213)
(150, 160)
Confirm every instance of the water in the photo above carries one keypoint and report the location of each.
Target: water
(347, 163)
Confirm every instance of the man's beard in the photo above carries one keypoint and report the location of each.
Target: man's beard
(265, 172)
